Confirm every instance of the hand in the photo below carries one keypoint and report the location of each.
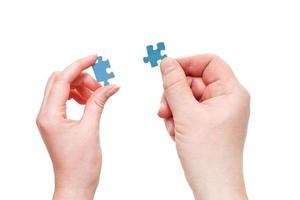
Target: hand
(206, 111)
(74, 146)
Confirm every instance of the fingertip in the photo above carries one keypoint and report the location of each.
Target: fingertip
(114, 87)
(162, 108)
(91, 59)
(160, 113)
(93, 56)
(164, 112)
(167, 64)
(97, 101)
(88, 59)
(113, 90)
(108, 91)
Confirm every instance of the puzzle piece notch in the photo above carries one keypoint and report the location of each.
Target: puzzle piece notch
(100, 70)
(155, 55)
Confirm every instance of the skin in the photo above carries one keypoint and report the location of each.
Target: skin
(205, 108)
(206, 111)
(74, 146)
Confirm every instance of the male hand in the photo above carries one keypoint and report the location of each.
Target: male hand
(74, 146)
(206, 111)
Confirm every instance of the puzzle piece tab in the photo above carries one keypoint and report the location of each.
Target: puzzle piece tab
(100, 68)
(155, 55)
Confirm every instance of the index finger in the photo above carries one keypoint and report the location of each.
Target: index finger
(70, 73)
(60, 90)
(210, 67)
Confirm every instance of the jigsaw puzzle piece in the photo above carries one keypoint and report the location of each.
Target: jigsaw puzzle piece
(149, 52)
(161, 46)
(100, 70)
(155, 55)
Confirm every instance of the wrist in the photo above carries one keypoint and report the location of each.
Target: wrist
(73, 194)
(224, 193)
(75, 186)
(228, 196)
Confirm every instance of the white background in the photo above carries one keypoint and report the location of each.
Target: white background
(259, 39)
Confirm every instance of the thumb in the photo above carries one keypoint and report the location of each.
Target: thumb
(95, 104)
(177, 90)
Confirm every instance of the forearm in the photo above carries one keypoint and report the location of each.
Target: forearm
(219, 181)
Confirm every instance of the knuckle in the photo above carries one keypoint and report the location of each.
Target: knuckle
(44, 122)
(41, 122)
(217, 88)
(219, 85)
(38, 121)
(212, 55)
(99, 102)
(53, 76)
(246, 95)
(57, 76)
(214, 58)
(55, 73)
(60, 78)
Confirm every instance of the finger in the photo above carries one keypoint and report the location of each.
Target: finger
(164, 110)
(74, 70)
(74, 94)
(197, 85)
(95, 104)
(217, 88)
(87, 81)
(48, 86)
(170, 127)
(60, 89)
(210, 67)
(84, 92)
(176, 88)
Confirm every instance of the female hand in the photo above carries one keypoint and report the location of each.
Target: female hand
(74, 146)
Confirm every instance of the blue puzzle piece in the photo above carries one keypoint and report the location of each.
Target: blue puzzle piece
(155, 55)
(100, 68)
